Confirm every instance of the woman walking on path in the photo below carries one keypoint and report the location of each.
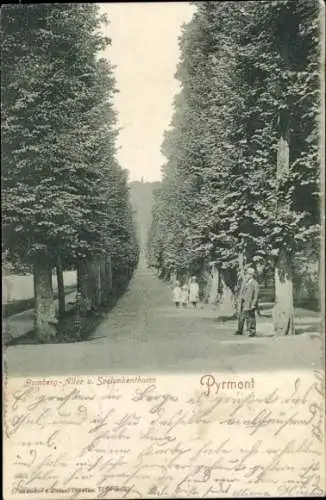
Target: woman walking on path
(194, 291)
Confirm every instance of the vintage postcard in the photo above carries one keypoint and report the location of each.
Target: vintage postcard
(162, 252)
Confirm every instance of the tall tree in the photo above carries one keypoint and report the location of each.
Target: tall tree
(280, 54)
(243, 166)
(59, 165)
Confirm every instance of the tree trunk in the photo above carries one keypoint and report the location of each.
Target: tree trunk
(207, 284)
(44, 304)
(283, 314)
(61, 288)
(241, 272)
(242, 262)
(96, 283)
(104, 284)
(226, 306)
(214, 288)
(83, 285)
(240, 280)
(103, 280)
(107, 279)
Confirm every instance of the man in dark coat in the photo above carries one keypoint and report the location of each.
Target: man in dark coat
(248, 299)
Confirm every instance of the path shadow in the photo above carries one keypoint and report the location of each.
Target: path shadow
(307, 329)
(264, 335)
(93, 339)
(243, 348)
(223, 319)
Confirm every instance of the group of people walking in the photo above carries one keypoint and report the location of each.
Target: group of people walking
(185, 294)
(247, 293)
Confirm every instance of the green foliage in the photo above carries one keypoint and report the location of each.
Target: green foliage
(62, 186)
(249, 74)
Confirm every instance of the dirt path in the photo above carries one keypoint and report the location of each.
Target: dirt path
(145, 333)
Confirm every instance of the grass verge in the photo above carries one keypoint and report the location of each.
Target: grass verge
(67, 331)
(18, 306)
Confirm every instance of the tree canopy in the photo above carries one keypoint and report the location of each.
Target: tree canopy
(62, 186)
(249, 75)
(65, 197)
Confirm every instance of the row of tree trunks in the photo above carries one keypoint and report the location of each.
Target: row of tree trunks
(219, 291)
(94, 282)
(94, 287)
(83, 285)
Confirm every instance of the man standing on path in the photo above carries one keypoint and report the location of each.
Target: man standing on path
(248, 299)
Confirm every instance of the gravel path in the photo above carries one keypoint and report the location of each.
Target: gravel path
(145, 333)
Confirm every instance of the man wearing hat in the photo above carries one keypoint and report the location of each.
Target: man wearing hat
(248, 298)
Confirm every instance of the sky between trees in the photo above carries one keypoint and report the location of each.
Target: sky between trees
(145, 51)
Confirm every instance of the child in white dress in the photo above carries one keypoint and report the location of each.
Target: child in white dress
(185, 295)
(177, 292)
(194, 292)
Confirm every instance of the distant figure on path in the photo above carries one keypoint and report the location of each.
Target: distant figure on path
(248, 299)
(184, 295)
(194, 291)
(173, 277)
(177, 292)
